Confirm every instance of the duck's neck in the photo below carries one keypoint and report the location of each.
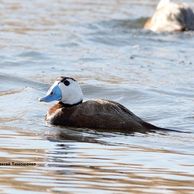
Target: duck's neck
(70, 105)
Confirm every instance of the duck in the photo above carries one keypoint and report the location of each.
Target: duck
(171, 17)
(99, 114)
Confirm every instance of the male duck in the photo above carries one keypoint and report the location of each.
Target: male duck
(170, 16)
(95, 114)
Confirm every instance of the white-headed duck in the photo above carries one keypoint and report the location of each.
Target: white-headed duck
(94, 114)
(170, 17)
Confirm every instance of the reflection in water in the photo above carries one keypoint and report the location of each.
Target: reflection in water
(15, 148)
(102, 173)
(103, 45)
(78, 135)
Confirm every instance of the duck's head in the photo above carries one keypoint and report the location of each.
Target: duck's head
(66, 90)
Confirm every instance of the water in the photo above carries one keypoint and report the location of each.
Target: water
(103, 45)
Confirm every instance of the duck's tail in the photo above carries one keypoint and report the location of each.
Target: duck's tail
(155, 128)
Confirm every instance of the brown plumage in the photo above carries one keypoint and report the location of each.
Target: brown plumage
(98, 114)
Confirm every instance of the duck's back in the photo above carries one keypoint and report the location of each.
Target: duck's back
(98, 114)
(170, 16)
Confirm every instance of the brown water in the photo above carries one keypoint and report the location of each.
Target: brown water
(103, 45)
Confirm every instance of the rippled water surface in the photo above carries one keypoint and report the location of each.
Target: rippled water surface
(103, 45)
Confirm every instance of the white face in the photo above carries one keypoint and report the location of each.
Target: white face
(66, 90)
(71, 91)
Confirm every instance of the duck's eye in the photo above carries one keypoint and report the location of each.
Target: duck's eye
(66, 82)
(51, 93)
